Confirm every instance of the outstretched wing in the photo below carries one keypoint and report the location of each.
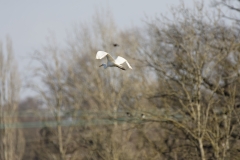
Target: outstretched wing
(102, 54)
(121, 60)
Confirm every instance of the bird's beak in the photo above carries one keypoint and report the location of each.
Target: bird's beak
(101, 65)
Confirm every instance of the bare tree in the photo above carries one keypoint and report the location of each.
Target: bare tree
(11, 137)
(87, 101)
(228, 5)
(195, 59)
(180, 101)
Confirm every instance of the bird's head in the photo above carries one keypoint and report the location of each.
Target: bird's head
(104, 65)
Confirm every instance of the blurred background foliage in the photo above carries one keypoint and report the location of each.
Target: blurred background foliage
(179, 102)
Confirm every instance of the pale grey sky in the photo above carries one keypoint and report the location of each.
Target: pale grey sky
(29, 22)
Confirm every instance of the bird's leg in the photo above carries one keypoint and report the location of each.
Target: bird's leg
(121, 67)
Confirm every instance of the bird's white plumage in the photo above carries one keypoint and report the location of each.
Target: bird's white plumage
(102, 54)
(121, 60)
(111, 62)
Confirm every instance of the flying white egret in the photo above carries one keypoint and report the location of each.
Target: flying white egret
(111, 62)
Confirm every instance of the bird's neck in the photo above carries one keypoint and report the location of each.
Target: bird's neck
(105, 66)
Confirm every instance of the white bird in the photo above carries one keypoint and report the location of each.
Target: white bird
(111, 62)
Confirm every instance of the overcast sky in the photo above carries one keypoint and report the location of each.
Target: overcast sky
(29, 22)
